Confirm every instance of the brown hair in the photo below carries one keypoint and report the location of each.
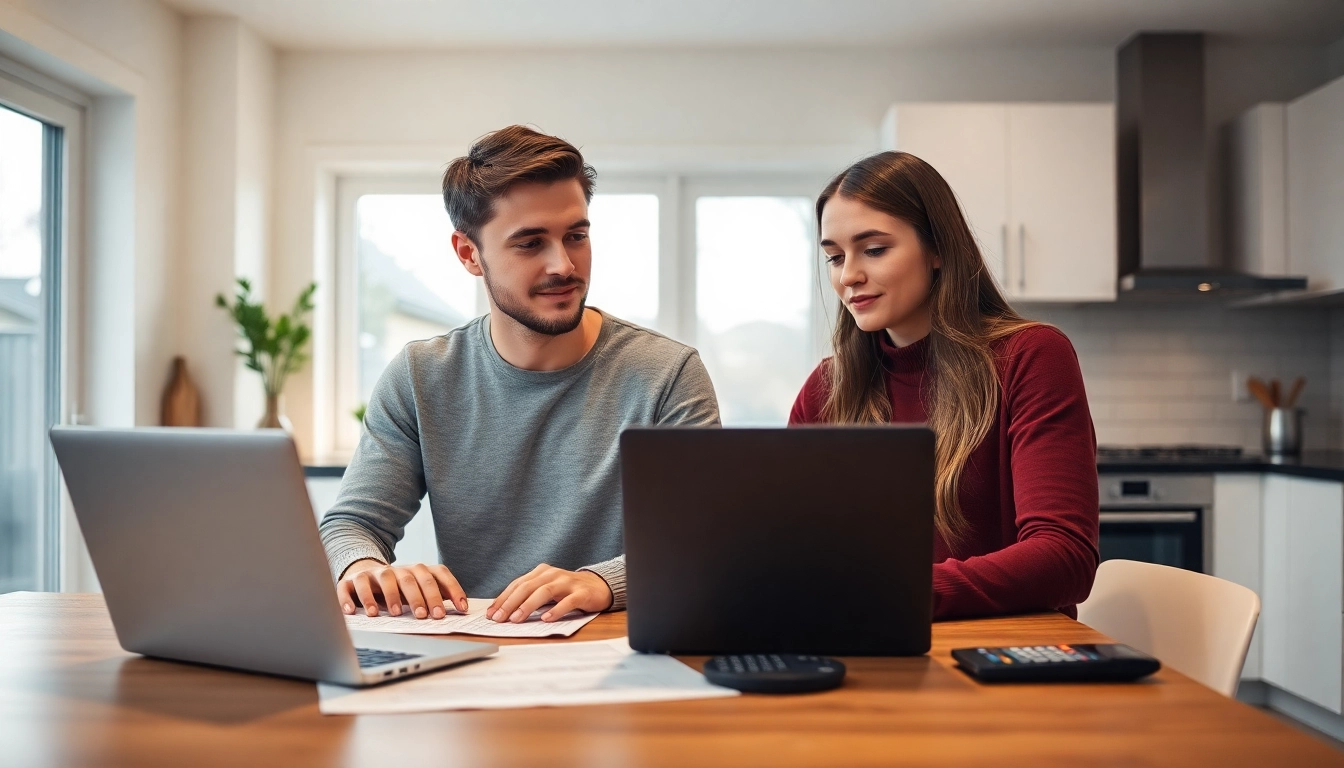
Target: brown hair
(968, 315)
(499, 160)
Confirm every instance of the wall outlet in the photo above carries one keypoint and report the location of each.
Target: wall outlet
(1240, 394)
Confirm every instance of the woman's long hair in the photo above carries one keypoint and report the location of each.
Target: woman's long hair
(968, 316)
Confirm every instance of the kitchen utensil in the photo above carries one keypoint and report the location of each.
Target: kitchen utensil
(1261, 392)
(1275, 392)
(1293, 393)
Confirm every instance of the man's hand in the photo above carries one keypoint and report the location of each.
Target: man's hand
(569, 590)
(423, 587)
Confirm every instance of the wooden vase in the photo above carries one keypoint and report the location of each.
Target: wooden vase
(181, 399)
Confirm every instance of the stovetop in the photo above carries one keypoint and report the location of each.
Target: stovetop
(1167, 452)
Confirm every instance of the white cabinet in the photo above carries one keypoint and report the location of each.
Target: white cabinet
(1237, 530)
(1315, 142)
(1302, 596)
(1286, 189)
(1037, 185)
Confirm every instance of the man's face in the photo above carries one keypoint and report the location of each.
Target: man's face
(535, 256)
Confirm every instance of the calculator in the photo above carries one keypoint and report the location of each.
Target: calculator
(1046, 663)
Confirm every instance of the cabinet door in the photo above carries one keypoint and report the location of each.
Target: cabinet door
(1237, 531)
(1316, 187)
(1304, 589)
(1061, 202)
(968, 145)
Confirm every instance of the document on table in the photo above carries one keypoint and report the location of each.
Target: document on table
(473, 622)
(541, 675)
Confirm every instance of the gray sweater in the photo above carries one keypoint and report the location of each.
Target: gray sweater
(521, 467)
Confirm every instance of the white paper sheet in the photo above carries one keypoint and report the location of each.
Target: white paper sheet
(541, 675)
(473, 622)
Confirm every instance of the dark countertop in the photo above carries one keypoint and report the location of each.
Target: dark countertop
(1323, 465)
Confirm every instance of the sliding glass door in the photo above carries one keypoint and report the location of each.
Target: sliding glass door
(33, 180)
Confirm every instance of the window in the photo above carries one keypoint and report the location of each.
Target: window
(36, 134)
(728, 266)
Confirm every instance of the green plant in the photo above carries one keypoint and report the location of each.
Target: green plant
(275, 348)
(359, 411)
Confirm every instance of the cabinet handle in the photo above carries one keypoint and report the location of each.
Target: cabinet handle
(1022, 257)
(1134, 518)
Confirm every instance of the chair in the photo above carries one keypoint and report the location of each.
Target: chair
(1196, 624)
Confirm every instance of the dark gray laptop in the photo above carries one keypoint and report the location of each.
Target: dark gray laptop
(206, 546)
(813, 540)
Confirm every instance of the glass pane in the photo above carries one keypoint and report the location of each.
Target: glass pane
(625, 257)
(22, 352)
(410, 285)
(754, 292)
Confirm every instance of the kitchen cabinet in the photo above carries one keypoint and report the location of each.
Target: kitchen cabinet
(1315, 142)
(1286, 188)
(1302, 590)
(1237, 530)
(1037, 185)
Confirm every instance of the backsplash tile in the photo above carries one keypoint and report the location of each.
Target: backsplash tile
(1162, 374)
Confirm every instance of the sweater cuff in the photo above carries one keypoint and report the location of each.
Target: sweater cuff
(344, 547)
(613, 572)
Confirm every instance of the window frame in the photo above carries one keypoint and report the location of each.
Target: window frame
(63, 113)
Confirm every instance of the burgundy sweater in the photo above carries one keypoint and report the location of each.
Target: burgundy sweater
(1028, 492)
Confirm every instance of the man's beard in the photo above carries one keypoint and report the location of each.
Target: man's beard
(518, 310)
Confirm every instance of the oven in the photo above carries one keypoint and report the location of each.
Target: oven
(1157, 518)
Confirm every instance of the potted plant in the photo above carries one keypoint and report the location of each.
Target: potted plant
(274, 348)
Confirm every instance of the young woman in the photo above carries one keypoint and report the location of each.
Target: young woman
(923, 335)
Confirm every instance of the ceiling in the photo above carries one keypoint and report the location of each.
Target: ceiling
(475, 24)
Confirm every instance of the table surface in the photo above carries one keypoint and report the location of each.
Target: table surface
(70, 696)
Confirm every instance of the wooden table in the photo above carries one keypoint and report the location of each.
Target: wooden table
(69, 696)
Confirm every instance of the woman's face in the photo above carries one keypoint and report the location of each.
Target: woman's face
(878, 268)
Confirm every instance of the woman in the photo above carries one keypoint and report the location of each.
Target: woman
(923, 335)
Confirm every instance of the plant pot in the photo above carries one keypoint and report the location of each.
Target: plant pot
(274, 418)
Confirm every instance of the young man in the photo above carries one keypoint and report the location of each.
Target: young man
(511, 422)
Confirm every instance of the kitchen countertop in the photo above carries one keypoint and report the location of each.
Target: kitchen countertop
(1323, 465)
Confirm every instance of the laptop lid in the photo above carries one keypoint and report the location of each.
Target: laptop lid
(806, 540)
(206, 547)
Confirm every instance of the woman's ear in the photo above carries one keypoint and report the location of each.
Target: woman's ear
(936, 261)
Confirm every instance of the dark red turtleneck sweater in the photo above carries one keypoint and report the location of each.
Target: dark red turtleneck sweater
(1029, 491)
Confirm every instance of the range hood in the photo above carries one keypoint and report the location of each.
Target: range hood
(1163, 177)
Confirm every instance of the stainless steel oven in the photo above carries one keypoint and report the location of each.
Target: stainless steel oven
(1157, 518)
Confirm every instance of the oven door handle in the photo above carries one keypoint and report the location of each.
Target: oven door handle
(1137, 518)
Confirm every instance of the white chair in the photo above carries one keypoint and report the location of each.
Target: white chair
(1196, 624)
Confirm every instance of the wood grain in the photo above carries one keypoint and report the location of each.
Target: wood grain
(70, 696)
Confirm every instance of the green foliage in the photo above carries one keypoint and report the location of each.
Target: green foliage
(358, 412)
(274, 348)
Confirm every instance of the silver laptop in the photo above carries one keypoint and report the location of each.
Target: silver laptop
(207, 549)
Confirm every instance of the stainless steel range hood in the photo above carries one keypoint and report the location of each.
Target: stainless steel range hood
(1162, 175)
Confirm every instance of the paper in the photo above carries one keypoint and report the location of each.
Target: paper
(541, 675)
(473, 622)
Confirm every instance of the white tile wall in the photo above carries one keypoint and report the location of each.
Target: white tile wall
(1162, 374)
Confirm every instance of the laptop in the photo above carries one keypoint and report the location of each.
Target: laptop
(207, 549)
(812, 540)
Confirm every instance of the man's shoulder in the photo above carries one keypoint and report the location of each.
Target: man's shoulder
(445, 348)
(630, 343)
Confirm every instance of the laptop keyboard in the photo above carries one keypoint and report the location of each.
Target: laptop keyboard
(373, 657)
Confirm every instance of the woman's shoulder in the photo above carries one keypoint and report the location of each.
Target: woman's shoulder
(1037, 355)
(1034, 339)
(807, 406)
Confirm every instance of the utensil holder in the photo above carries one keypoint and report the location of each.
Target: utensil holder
(1283, 431)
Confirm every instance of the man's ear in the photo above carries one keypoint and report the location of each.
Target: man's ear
(467, 253)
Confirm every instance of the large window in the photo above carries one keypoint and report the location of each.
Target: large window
(35, 133)
(729, 266)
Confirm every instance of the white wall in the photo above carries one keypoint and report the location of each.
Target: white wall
(227, 124)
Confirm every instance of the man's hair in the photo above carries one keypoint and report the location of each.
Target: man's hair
(500, 160)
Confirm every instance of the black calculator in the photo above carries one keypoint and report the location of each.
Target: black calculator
(1047, 663)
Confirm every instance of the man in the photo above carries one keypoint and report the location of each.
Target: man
(511, 422)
